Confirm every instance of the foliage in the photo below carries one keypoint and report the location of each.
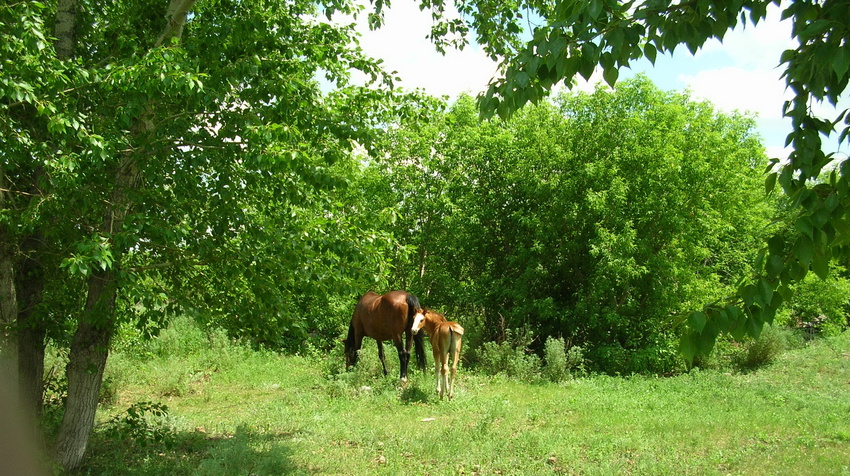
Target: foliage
(820, 306)
(197, 165)
(578, 218)
(184, 165)
(561, 364)
(541, 44)
(143, 423)
(239, 165)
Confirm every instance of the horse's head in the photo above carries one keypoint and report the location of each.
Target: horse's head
(418, 321)
(350, 352)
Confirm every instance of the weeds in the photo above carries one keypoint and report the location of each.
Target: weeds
(763, 351)
(262, 413)
(143, 424)
(561, 365)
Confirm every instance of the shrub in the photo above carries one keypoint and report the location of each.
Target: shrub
(764, 350)
(820, 306)
(511, 357)
(512, 361)
(575, 359)
(181, 338)
(143, 423)
(555, 356)
(561, 364)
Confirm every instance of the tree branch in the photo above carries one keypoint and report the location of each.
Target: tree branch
(178, 12)
(65, 29)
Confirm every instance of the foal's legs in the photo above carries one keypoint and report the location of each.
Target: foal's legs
(456, 354)
(437, 367)
(444, 371)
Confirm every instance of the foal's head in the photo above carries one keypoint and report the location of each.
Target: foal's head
(424, 316)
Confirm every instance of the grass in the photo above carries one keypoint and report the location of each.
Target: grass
(232, 411)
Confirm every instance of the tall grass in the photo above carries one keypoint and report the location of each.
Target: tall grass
(236, 411)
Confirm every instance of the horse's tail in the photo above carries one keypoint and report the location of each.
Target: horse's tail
(455, 336)
(418, 338)
(412, 307)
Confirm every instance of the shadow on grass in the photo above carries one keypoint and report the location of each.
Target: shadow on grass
(415, 394)
(192, 453)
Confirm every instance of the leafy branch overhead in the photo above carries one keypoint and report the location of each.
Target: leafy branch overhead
(541, 44)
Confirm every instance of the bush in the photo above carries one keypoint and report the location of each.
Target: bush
(561, 364)
(763, 351)
(512, 361)
(181, 338)
(511, 357)
(820, 306)
(143, 424)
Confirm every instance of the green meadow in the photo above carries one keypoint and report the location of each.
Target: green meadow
(192, 403)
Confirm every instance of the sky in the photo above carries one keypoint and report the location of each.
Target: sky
(741, 73)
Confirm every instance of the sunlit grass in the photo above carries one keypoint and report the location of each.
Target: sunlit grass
(261, 413)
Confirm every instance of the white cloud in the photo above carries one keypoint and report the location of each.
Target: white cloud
(403, 45)
(754, 46)
(732, 88)
(741, 73)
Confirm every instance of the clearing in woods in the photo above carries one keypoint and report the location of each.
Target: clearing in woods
(231, 410)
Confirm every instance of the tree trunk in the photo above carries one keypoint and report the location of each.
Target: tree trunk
(89, 350)
(65, 29)
(8, 302)
(29, 277)
(8, 313)
(90, 346)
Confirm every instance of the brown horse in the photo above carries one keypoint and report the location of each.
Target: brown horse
(386, 317)
(446, 340)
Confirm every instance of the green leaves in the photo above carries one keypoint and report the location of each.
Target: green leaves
(92, 254)
(579, 216)
(597, 33)
(611, 34)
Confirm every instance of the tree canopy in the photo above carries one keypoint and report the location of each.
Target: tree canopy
(176, 157)
(596, 218)
(540, 44)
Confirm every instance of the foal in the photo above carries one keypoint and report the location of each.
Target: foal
(445, 342)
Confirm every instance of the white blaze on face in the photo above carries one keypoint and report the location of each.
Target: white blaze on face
(418, 321)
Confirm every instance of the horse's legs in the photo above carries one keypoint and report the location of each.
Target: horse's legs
(437, 366)
(403, 358)
(408, 343)
(381, 356)
(444, 371)
(456, 352)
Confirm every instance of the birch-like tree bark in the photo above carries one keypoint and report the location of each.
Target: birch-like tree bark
(90, 345)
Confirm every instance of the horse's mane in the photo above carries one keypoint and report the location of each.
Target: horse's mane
(440, 315)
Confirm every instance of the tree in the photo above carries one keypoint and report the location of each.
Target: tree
(174, 157)
(579, 218)
(572, 37)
